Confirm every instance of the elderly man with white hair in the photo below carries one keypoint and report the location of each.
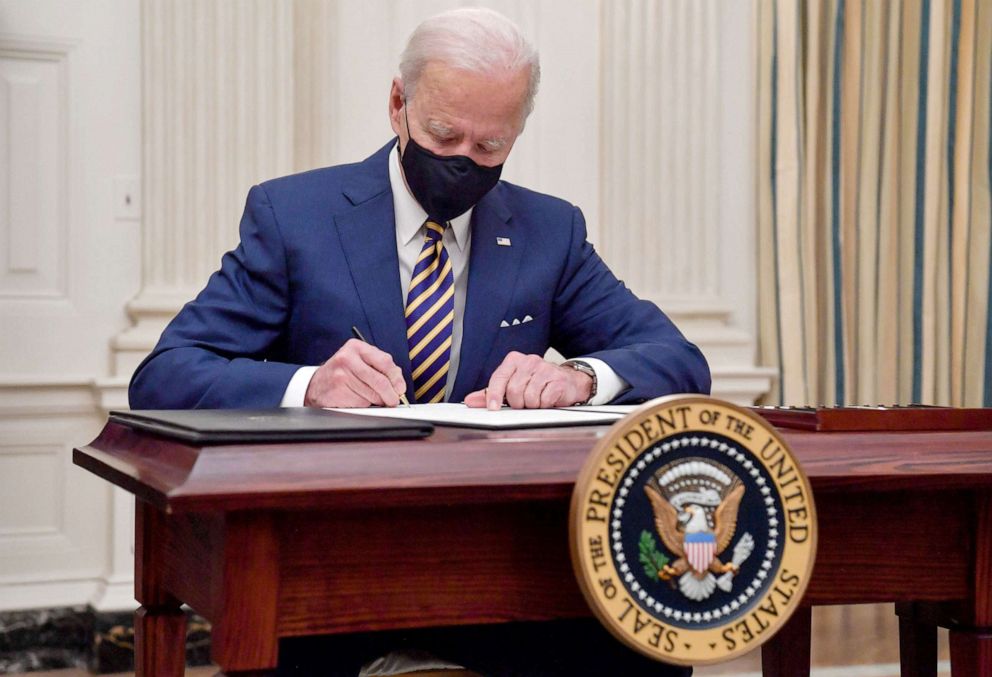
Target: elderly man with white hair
(459, 282)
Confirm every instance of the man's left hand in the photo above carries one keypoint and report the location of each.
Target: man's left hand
(531, 382)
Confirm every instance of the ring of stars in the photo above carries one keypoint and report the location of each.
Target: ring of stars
(621, 560)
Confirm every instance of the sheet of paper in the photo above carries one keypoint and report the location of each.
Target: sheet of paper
(448, 413)
(618, 409)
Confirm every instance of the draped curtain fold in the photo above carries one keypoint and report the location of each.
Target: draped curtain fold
(875, 167)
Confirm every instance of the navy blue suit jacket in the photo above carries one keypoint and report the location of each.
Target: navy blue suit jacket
(318, 255)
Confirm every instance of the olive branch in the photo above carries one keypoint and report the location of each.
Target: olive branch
(654, 560)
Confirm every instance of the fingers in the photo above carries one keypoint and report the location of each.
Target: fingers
(375, 371)
(530, 376)
(533, 389)
(526, 381)
(496, 392)
(364, 390)
(357, 375)
(476, 399)
(553, 396)
(382, 362)
(362, 379)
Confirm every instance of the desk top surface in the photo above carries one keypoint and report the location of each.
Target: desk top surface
(474, 466)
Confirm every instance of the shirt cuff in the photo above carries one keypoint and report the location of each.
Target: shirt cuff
(609, 384)
(296, 391)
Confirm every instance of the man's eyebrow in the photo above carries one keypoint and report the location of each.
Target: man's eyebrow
(495, 143)
(439, 128)
(443, 131)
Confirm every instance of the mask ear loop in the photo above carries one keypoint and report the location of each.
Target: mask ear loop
(406, 116)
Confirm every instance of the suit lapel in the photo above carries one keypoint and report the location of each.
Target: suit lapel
(368, 240)
(491, 275)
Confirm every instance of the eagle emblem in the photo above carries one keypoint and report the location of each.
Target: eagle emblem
(680, 523)
(695, 503)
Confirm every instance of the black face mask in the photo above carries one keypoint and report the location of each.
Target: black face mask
(445, 185)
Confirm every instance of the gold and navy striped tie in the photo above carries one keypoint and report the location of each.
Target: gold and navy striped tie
(430, 311)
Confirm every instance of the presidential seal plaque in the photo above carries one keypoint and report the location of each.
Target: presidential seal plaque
(692, 530)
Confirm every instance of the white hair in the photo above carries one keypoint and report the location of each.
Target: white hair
(472, 39)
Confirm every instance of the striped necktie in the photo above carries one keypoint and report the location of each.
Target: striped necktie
(430, 310)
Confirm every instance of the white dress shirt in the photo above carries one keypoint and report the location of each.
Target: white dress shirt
(410, 218)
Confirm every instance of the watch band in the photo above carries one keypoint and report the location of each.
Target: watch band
(585, 368)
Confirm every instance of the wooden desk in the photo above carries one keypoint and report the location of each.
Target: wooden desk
(270, 541)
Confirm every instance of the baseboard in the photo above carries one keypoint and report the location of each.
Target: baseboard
(83, 638)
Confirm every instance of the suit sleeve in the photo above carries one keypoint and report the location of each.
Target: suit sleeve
(597, 316)
(215, 353)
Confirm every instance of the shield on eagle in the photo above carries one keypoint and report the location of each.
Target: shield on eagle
(700, 548)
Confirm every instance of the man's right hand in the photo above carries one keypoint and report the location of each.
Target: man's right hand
(357, 375)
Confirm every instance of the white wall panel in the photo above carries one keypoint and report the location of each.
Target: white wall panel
(76, 66)
(53, 516)
(32, 169)
(33, 508)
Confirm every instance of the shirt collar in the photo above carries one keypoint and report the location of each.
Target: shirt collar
(408, 213)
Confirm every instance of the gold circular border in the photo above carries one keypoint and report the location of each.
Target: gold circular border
(586, 575)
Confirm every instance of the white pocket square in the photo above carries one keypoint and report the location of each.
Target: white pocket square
(516, 321)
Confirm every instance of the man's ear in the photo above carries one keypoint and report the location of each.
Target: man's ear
(396, 104)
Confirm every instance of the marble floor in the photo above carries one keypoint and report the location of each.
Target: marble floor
(848, 641)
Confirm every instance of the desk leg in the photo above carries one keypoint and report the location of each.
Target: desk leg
(971, 649)
(787, 653)
(244, 637)
(159, 642)
(917, 642)
(159, 624)
(971, 637)
(971, 653)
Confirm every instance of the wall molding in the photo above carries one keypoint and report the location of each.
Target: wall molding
(60, 398)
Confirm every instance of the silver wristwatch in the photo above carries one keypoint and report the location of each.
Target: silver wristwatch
(585, 368)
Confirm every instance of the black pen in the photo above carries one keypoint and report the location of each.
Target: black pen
(358, 335)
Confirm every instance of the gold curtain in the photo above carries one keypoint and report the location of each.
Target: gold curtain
(874, 214)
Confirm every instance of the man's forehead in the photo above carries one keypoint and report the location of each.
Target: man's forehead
(454, 90)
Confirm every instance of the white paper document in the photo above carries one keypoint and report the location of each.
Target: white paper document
(618, 409)
(459, 415)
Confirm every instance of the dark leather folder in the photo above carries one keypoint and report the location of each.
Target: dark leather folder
(232, 426)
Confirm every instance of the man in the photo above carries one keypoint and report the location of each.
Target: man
(459, 282)
(509, 275)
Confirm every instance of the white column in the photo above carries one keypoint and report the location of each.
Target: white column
(316, 24)
(217, 105)
(678, 171)
(218, 117)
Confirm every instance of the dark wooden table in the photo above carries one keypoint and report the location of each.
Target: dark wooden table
(270, 541)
